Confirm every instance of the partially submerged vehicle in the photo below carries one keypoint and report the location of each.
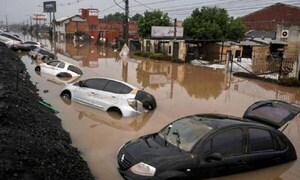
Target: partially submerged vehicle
(11, 36)
(41, 53)
(8, 41)
(210, 145)
(110, 95)
(59, 68)
(26, 46)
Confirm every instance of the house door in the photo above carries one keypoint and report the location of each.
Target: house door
(247, 52)
(175, 50)
(148, 44)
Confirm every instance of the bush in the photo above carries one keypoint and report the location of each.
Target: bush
(151, 55)
(289, 82)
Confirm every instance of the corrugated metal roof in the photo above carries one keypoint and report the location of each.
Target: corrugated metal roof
(69, 17)
(269, 41)
(261, 34)
(249, 43)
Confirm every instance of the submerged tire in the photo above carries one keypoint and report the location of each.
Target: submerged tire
(115, 110)
(37, 69)
(66, 95)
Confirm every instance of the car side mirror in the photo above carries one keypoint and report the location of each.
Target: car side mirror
(213, 157)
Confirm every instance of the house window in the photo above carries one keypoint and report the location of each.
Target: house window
(93, 27)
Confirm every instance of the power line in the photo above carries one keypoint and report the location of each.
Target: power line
(143, 5)
(119, 5)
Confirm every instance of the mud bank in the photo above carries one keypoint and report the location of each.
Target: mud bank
(33, 144)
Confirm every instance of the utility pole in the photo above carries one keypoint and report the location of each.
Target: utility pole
(175, 30)
(6, 23)
(175, 25)
(126, 26)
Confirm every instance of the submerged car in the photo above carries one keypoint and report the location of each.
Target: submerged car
(26, 46)
(110, 95)
(41, 53)
(59, 69)
(12, 36)
(211, 145)
(7, 41)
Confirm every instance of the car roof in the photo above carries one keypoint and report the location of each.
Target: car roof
(218, 121)
(130, 85)
(66, 63)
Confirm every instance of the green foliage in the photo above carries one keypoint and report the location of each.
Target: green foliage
(213, 23)
(136, 17)
(153, 18)
(115, 17)
(151, 55)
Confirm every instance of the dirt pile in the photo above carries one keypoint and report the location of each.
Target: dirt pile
(33, 144)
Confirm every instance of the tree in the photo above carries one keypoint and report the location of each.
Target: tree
(153, 18)
(213, 23)
(136, 17)
(115, 17)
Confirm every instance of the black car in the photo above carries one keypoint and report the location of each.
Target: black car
(210, 145)
(41, 53)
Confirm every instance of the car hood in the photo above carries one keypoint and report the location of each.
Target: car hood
(274, 113)
(147, 149)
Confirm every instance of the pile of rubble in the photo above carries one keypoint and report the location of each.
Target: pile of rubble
(33, 144)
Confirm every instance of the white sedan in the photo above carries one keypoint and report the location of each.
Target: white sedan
(59, 68)
(110, 95)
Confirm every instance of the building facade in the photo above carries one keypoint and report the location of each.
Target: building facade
(269, 18)
(67, 26)
(87, 23)
(282, 20)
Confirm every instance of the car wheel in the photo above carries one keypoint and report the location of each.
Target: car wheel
(115, 112)
(38, 70)
(66, 95)
(64, 75)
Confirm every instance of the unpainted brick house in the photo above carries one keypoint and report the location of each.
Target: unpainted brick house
(282, 20)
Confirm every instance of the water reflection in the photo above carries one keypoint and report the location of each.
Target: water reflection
(58, 80)
(111, 119)
(86, 54)
(180, 90)
(198, 82)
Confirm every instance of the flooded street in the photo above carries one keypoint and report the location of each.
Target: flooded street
(179, 89)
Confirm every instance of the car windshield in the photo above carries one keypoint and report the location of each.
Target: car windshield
(185, 132)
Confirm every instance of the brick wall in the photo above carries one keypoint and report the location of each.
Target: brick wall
(117, 26)
(268, 18)
(72, 27)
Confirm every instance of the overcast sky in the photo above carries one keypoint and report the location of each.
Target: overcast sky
(19, 11)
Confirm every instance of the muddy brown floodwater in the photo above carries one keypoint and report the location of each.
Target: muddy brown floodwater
(180, 90)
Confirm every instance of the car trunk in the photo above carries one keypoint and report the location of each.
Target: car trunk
(146, 99)
(274, 113)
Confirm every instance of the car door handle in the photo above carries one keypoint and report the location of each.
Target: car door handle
(92, 93)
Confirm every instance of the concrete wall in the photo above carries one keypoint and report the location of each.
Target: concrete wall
(293, 40)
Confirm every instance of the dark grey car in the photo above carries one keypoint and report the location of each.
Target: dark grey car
(209, 145)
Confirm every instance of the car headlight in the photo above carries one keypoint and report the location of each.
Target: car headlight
(143, 169)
